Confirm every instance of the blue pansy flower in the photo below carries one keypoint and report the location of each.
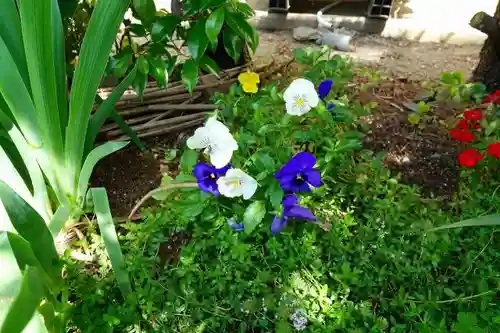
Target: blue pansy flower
(324, 88)
(291, 209)
(235, 225)
(207, 176)
(299, 174)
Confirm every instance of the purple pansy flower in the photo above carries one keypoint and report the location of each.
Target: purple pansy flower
(291, 209)
(324, 88)
(299, 174)
(207, 176)
(234, 225)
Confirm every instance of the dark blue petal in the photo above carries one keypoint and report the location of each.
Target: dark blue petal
(331, 107)
(209, 185)
(202, 171)
(300, 213)
(279, 222)
(289, 200)
(313, 177)
(206, 176)
(237, 227)
(324, 88)
(301, 161)
(222, 171)
(290, 183)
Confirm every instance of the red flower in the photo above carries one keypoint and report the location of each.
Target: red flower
(492, 98)
(469, 158)
(473, 115)
(461, 135)
(494, 149)
(476, 125)
(463, 124)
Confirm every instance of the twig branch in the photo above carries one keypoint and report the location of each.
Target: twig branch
(159, 190)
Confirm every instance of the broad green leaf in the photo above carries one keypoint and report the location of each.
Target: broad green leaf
(414, 118)
(197, 40)
(188, 160)
(233, 44)
(190, 75)
(482, 221)
(67, 7)
(253, 216)
(38, 24)
(158, 69)
(122, 63)
(209, 65)
(30, 225)
(214, 24)
(106, 108)
(24, 306)
(146, 10)
(140, 83)
(137, 29)
(17, 97)
(90, 162)
(96, 47)
(238, 23)
(163, 27)
(115, 116)
(15, 158)
(108, 233)
(57, 221)
(245, 9)
(143, 65)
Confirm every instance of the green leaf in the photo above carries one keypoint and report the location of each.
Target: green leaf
(254, 214)
(96, 47)
(233, 44)
(38, 28)
(190, 75)
(163, 27)
(482, 221)
(209, 65)
(143, 65)
(116, 117)
(137, 29)
(140, 83)
(108, 233)
(60, 217)
(31, 227)
(238, 23)
(105, 109)
(214, 24)
(157, 68)
(122, 63)
(146, 10)
(197, 40)
(188, 160)
(90, 162)
(245, 9)
(24, 306)
(414, 118)
(67, 7)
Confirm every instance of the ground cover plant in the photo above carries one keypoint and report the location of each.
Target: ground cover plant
(279, 220)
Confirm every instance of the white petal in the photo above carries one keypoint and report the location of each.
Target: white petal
(249, 188)
(200, 138)
(216, 126)
(298, 87)
(227, 188)
(294, 110)
(312, 97)
(220, 157)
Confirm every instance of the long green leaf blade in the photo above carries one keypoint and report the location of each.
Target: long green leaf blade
(95, 50)
(37, 27)
(17, 96)
(30, 225)
(115, 115)
(60, 217)
(24, 306)
(108, 232)
(91, 161)
(482, 221)
(106, 108)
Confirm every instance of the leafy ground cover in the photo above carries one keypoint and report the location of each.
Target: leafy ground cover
(369, 263)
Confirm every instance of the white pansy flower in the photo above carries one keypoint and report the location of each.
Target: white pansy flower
(300, 97)
(217, 141)
(185, 25)
(237, 183)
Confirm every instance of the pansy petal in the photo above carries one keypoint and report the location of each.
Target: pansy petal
(202, 171)
(331, 107)
(278, 224)
(209, 185)
(289, 200)
(300, 213)
(222, 171)
(215, 126)
(290, 183)
(313, 177)
(324, 88)
(312, 99)
(200, 139)
(249, 187)
(301, 161)
(220, 157)
(238, 227)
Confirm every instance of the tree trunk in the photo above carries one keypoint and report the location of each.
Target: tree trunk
(488, 68)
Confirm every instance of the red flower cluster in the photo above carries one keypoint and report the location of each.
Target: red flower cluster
(461, 132)
(494, 150)
(492, 98)
(470, 158)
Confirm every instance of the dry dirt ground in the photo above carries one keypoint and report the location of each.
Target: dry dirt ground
(428, 155)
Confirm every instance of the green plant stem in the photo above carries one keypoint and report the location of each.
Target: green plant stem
(158, 191)
(449, 300)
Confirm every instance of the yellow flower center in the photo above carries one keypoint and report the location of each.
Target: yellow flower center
(300, 102)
